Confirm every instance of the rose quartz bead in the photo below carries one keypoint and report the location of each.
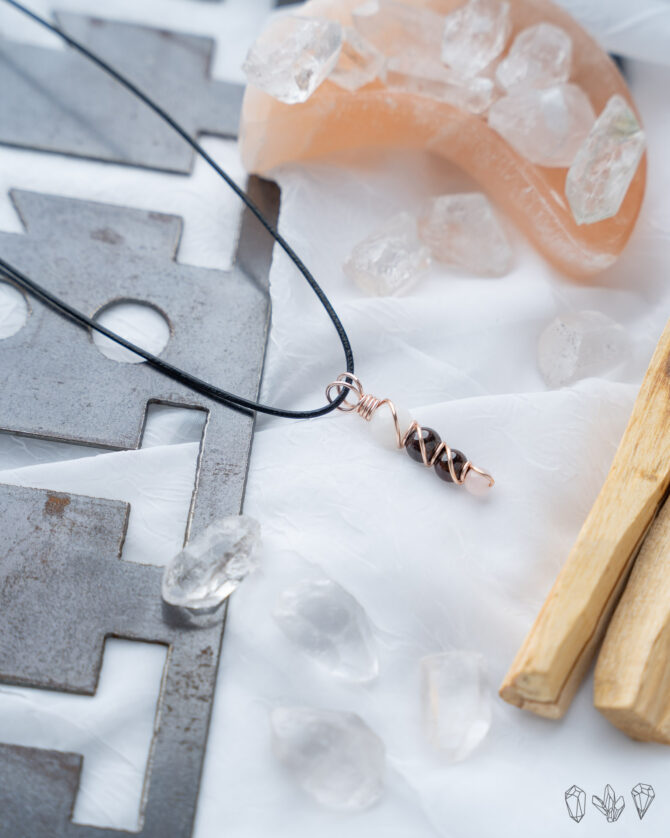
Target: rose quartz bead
(476, 483)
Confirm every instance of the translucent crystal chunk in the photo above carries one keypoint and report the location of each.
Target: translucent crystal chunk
(580, 344)
(394, 27)
(213, 564)
(575, 800)
(391, 260)
(605, 164)
(293, 56)
(546, 126)
(417, 72)
(462, 230)
(474, 35)
(327, 623)
(456, 702)
(360, 62)
(334, 756)
(643, 796)
(540, 57)
(610, 805)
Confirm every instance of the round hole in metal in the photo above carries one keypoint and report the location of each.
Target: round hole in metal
(139, 322)
(13, 310)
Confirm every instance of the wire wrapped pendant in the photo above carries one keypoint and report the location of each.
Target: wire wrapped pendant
(423, 445)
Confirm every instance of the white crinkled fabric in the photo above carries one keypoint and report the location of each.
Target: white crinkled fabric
(639, 29)
(435, 568)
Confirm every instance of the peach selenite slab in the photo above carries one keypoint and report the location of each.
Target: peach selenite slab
(335, 120)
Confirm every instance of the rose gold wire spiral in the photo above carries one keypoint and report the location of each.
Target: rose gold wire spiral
(367, 405)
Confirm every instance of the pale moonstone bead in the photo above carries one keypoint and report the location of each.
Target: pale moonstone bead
(383, 427)
(476, 483)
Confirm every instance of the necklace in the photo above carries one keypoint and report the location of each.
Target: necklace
(422, 444)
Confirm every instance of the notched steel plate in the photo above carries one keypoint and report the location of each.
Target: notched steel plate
(63, 587)
(64, 590)
(56, 100)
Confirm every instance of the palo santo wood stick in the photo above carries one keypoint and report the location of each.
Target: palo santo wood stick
(632, 678)
(556, 653)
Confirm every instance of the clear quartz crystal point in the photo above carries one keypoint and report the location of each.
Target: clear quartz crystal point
(580, 344)
(329, 625)
(575, 800)
(390, 260)
(360, 62)
(643, 796)
(213, 564)
(293, 56)
(456, 702)
(546, 126)
(474, 35)
(605, 164)
(334, 756)
(540, 57)
(415, 71)
(462, 230)
(394, 27)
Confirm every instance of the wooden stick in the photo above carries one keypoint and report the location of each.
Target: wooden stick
(632, 679)
(556, 653)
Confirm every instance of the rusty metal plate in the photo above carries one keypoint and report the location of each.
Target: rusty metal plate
(58, 385)
(63, 585)
(56, 100)
(64, 590)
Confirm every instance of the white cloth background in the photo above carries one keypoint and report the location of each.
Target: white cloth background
(435, 568)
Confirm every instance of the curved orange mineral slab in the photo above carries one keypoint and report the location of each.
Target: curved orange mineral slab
(335, 119)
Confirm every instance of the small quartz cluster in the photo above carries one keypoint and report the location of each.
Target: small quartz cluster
(336, 758)
(551, 122)
(332, 754)
(460, 231)
(468, 59)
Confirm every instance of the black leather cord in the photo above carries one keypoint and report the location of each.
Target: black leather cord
(217, 394)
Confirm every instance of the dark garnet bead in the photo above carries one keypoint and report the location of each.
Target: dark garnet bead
(442, 465)
(413, 446)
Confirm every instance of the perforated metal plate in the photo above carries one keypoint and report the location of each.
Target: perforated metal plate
(56, 100)
(63, 586)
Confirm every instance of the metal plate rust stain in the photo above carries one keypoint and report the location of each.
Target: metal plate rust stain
(56, 504)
